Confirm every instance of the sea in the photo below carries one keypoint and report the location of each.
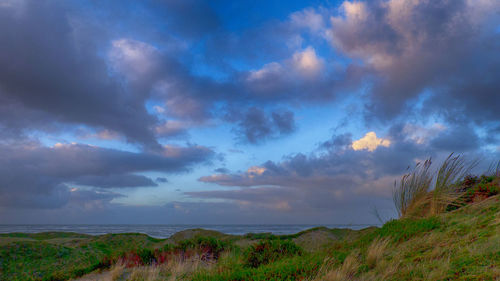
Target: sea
(165, 231)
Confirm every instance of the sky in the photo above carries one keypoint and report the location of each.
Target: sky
(237, 112)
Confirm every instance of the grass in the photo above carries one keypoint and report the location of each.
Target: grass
(416, 196)
(460, 245)
(375, 252)
(412, 188)
(43, 257)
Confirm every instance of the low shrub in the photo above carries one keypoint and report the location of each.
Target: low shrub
(207, 245)
(475, 189)
(147, 256)
(268, 251)
(485, 188)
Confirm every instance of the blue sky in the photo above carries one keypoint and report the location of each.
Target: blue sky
(197, 111)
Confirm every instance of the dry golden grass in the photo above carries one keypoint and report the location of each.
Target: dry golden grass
(147, 273)
(117, 271)
(413, 195)
(412, 188)
(345, 272)
(179, 268)
(376, 251)
(176, 269)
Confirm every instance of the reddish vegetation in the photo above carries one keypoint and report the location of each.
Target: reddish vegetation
(130, 260)
(477, 189)
(146, 257)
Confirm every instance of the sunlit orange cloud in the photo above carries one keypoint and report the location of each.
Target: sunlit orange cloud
(370, 142)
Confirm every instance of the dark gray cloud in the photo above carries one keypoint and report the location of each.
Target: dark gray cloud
(92, 198)
(47, 82)
(337, 141)
(445, 49)
(162, 180)
(115, 181)
(459, 138)
(52, 70)
(222, 170)
(36, 176)
(256, 126)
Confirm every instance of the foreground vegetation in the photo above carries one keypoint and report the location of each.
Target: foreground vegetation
(463, 244)
(453, 239)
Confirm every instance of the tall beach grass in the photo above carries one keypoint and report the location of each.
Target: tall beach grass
(422, 192)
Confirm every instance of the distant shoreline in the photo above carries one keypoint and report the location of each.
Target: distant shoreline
(162, 231)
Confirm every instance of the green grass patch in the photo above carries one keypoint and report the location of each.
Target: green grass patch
(404, 229)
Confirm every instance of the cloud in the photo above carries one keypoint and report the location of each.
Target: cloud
(61, 81)
(308, 18)
(162, 180)
(338, 142)
(302, 76)
(421, 134)
(268, 70)
(100, 77)
(92, 199)
(458, 138)
(102, 211)
(127, 180)
(100, 134)
(370, 142)
(307, 62)
(135, 59)
(172, 128)
(255, 126)
(253, 198)
(336, 173)
(410, 49)
(35, 176)
(222, 170)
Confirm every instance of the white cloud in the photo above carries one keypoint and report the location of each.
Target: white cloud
(307, 62)
(171, 128)
(354, 10)
(370, 142)
(158, 109)
(421, 135)
(133, 58)
(265, 71)
(255, 171)
(308, 18)
(303, 64)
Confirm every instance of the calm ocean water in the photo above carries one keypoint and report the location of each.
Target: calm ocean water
(165, 231)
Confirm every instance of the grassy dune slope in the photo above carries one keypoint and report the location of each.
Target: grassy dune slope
(460, 245)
